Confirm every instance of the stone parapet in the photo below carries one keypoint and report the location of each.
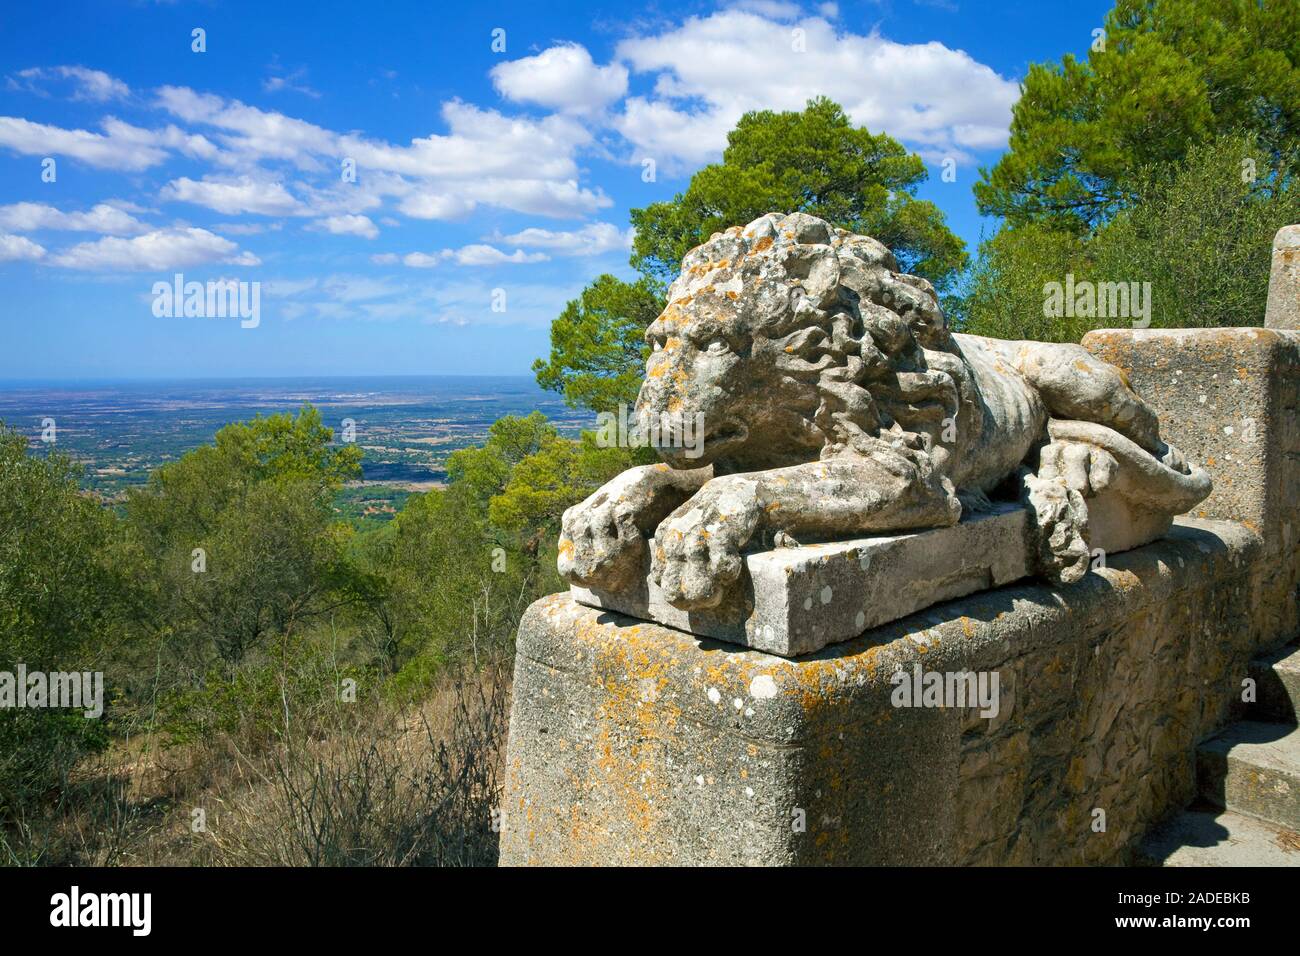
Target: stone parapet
(1283, 311)
(1230, 398)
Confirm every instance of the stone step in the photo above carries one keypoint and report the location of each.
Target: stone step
(1277, 686)
(1213, 837)
(1253, 767)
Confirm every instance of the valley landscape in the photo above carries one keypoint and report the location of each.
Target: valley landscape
(406, 426)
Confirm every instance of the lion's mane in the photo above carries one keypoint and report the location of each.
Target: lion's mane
(870, 339)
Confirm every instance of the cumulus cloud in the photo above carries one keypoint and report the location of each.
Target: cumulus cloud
(480, 142)
(94, 86)
(232, 197)
(159, 250)
(349, 226)
(485, 255)
(18, 248)
(431, 205)
(419, 260)
(101, 218)
(561, 78)
(121, 149)
(522, 164)
(248, 132)
(592, 239)
(711, 70)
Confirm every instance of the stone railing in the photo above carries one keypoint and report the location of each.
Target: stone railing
(636, 743)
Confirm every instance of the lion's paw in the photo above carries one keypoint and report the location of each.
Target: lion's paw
(600, 544)
(697, 549)
(1060, 515)
(1085, 468)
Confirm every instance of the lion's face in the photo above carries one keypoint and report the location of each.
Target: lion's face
(714, 392)
(773, 340)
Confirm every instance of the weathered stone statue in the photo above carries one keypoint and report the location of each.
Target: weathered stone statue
(836, 404)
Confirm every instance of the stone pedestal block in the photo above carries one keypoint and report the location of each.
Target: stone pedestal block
(797, 600)
(634, 743)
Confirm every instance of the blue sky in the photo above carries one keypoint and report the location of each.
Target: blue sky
(476, 169)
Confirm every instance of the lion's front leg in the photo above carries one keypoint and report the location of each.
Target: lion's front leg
(603, 539)
(698, 548)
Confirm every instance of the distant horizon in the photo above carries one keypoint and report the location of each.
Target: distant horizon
(6, 383)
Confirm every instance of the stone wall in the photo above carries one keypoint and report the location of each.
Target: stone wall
(635, 743)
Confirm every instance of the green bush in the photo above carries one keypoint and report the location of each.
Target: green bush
(1199, 231)
(61, 605)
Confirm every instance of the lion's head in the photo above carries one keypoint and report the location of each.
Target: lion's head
(790, 340)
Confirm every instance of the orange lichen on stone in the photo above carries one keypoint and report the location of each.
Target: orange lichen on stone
(634, 722)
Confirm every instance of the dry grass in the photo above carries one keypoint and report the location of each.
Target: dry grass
(358, 785)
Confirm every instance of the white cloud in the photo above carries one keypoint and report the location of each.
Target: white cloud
(562, 78)
(564, 199)
(349, 226)
(193, 145)
(232, 197)
(480, 143)
(93, 86)
(425, 205)
(592, 239)
(101, 218)
(478, 254)
(122, 149)
(711, 70)
(248, 228)
(15, 248)
(484, 255)
(250, 132)
(518, 163)
(161, 249)
(385, 259)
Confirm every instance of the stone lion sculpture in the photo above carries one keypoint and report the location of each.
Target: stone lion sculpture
(836, 403)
